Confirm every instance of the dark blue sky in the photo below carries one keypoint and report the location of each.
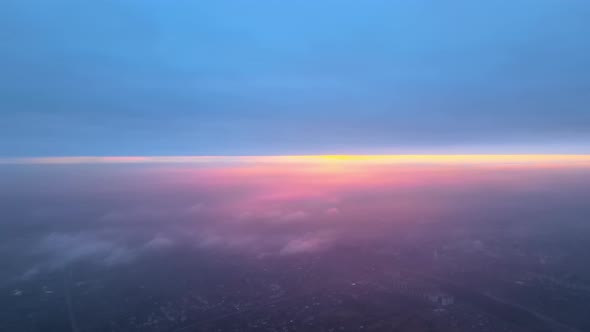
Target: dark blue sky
(218, 77)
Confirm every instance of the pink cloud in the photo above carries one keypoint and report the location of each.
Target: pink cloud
(293, 216)
(332, 211)
(306, 244)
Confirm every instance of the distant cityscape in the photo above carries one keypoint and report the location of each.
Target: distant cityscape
(466, 284)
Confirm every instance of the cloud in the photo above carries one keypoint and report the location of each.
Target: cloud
(293, 216)
(159, 242)
(273, 216)
(230, 240)
(58, 250)
(137, 214)
(30, 273)
(67, 248)
(195, 209)
(332, 211)
(306, 244)
(153, 213)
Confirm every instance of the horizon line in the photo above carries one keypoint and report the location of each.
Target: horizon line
(315, 158)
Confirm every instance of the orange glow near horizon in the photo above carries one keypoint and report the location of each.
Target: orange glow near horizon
(579, 159)
(230, 200)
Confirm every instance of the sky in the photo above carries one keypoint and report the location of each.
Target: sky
(221, 77)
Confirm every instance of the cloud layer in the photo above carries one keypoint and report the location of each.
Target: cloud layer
(59, 215)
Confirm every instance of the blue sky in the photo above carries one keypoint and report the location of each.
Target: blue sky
(222, 77)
